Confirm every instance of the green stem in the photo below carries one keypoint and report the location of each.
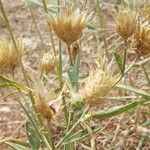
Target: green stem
(102, 26)
(13, 39)
(73, 127)
(70, 55)
(35, 24)
(50, 30)
(125, 55)
(45, 6)
(146, 74)
(33, 123)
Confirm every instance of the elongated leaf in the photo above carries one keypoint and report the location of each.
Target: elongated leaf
(8, 82)
(135, 90)
(73, 72)
(119, 61)
(73, 76)
(5, 85)
(16, 146)
(110, 112)
(33, 138)
(81, 135)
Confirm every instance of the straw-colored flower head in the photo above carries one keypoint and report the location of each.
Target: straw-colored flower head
(98, 85)
(142, 36)
(68, 24)
(9, 56)
(41, 102)
(48, 63)
(126, 22)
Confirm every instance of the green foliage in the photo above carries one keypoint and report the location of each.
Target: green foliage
(80, 135)
(33, 137)
(119, 61)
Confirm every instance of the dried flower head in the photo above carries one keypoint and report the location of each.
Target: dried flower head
(48, 63)
(9, 57)
(126, 22)
(99, 84)
(68, 24)
(142, 36)
(41, 102)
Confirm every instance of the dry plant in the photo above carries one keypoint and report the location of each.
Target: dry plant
(78, 97)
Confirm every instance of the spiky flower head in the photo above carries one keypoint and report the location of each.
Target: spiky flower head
(99, 84)
(68, 24)
(142, 36)
(41, 102)
(48, 63)
(126, 22)
(9, 56)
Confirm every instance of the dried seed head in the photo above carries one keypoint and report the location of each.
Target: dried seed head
(41, 102)
(126, 22)
(68, 25)
(9, 57)
(98, 85)
(142, 36)
(48, 63)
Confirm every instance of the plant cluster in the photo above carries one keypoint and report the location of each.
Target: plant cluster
(78, 96)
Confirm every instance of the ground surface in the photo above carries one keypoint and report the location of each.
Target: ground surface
(118, 133)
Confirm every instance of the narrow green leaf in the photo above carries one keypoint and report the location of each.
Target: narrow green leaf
(8, 82)
(33, 137)
(135, 90)
(73, 72)
(5, 85)
(110, 112)
(119, 61)
(81, 135)
(16, 146)
(73, 76)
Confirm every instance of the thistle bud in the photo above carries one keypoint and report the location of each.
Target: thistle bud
(126, 22)
(48, 63)
(98, 85)
(142, 36)
(68, 25)
(41, 103)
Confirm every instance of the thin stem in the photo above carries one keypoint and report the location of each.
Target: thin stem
(35, 24)
(50, 30)
(8, 25)
(45, 5)
(125, 55)
(50, 132)
(13, 40)
(52, 39)
(102, 26)
(33, 123)
(70, 55)
(74, 126)
(146, 74)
